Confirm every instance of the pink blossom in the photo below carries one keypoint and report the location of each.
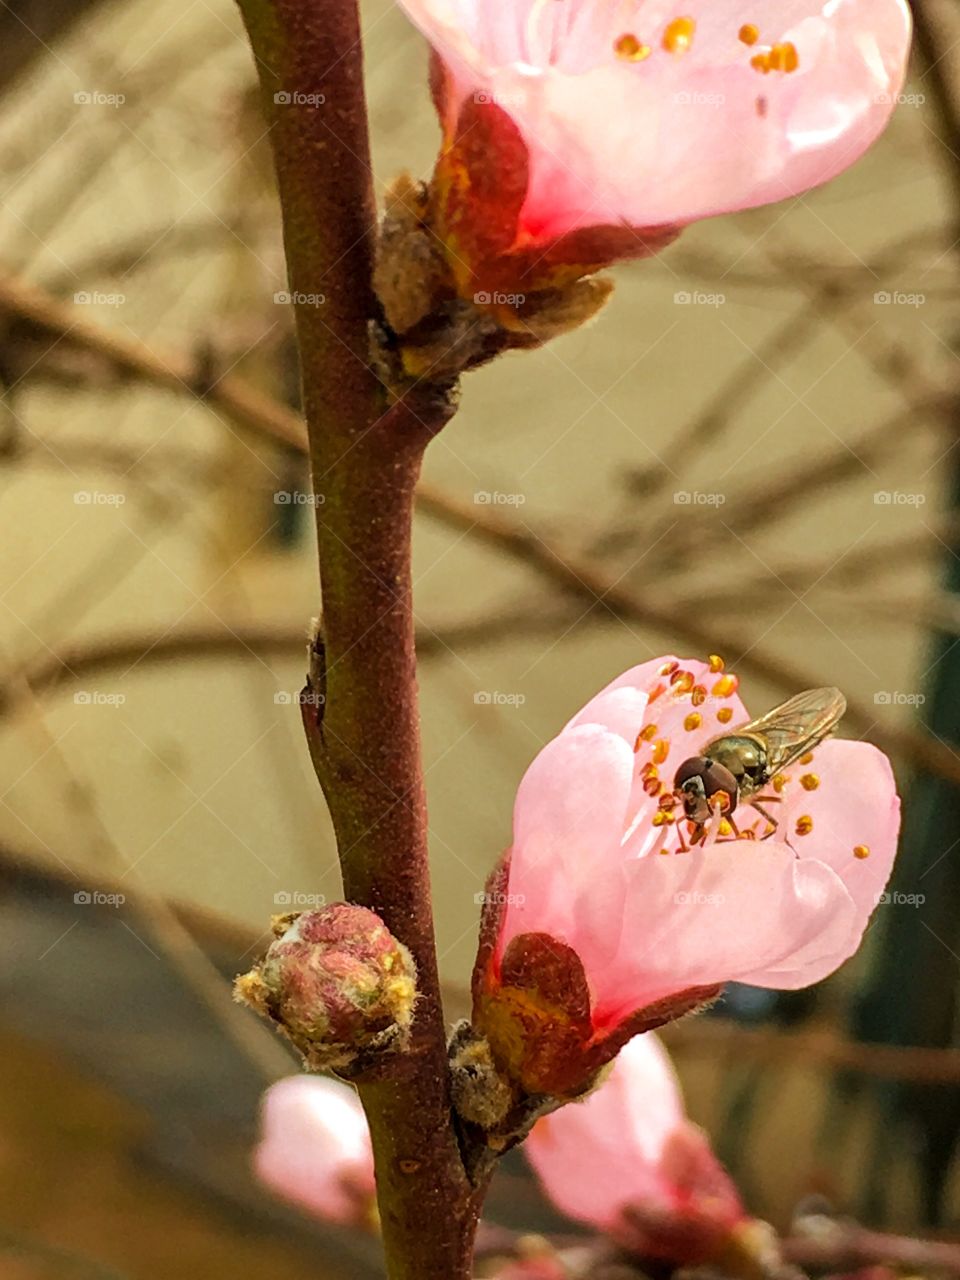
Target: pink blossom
(315, 1148)
(571, 115)
(629, 1162)
(595, 877)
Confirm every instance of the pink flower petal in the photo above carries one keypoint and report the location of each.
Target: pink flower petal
(672, 136)
(315, 1147)
(856, 822)
(566, 870)
(720, 914)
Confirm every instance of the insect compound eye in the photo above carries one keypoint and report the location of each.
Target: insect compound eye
(718, 778)
(692, 771)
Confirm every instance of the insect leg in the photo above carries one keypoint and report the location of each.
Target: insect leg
(774, 824)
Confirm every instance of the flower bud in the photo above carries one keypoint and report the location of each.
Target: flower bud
(336, 983)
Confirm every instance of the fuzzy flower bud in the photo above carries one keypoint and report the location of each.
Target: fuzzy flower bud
(336, 983)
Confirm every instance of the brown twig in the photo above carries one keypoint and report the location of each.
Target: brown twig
(365, 458)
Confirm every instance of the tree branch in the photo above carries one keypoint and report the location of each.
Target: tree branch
(365, 459)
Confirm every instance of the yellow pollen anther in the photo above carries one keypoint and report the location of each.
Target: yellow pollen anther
(667, 801)
(668, 668)
(698, 695)
(648, 732)
(656, 692)
(682, 682)
(725, 828)
(749, 834)
(649, 771)
(630, 48)
(806, 758)
(748, 33)
(659, 818)
(809, 781)
(784, 57)
(804, 825)
(715, 663)
(679, 35)
(652, 786)
(760, 62)
(661, 750)
(861, 851)
(725, 715)
(726, 685)
(778, 782)
(693, 721)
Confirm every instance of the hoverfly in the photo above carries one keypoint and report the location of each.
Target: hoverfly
(737, 766)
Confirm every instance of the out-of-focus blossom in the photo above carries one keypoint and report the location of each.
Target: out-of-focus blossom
(315, 1149)
(599, 924)
(579, 132)
(628, 1162)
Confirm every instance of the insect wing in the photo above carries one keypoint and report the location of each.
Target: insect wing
(797, 725)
